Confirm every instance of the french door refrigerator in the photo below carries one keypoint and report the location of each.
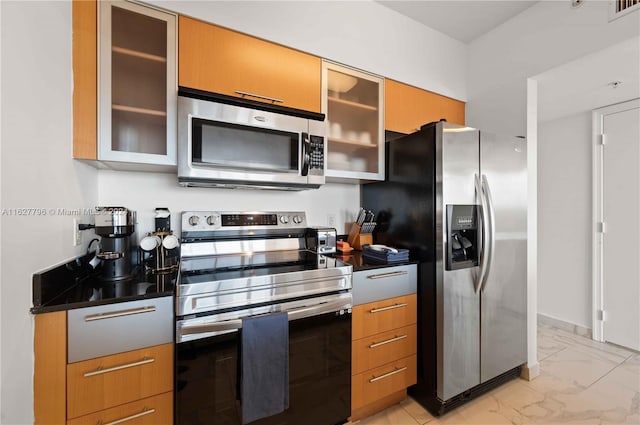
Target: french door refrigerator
(456, 197)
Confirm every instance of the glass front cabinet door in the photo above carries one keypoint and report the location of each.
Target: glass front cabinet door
(353, 103)
(137, 84)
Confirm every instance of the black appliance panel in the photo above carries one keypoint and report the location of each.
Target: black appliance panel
(207, 376)
(462, 237)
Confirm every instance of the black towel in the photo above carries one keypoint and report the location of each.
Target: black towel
(265, 366)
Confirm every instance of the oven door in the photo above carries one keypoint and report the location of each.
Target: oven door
(207, 379)
(227, 143)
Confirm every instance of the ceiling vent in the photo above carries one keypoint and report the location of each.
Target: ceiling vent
(618, 8)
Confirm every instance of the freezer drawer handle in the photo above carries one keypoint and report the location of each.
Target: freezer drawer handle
(101, 371)
(378, 344)
(386, 375)
(259, 96)
(391, 307)
(120, 313)
(390, 274)
(144, 412)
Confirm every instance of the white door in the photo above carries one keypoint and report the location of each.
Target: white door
(621, 238)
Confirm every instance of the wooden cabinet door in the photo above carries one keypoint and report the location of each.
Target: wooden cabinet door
(382, 316)
(85, 79)
(375, 350)
(50, 360)
(109, 381)
(376, 384)
(222, 61)
(157, 410)
(407, 108)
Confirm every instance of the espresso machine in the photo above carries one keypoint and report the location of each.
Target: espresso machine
(116, 227)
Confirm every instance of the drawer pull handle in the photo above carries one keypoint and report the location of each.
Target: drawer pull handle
(378, 344)
(390, 274)
(101, 371)
(145, 412)
(120, 313)
(391, 307)
(259, 96)
(386, 375)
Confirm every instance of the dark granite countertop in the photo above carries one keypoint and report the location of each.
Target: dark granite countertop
(360, 262)
(75, 285)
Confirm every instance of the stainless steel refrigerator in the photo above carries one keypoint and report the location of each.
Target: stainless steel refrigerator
(456, 197)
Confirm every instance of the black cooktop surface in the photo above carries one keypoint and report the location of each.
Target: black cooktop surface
(223, 267)
(75, 284)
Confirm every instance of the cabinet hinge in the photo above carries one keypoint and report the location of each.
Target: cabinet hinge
(602, 227)
(602, 139)
(602, 315)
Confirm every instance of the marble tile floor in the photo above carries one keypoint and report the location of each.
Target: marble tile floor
(581, 382)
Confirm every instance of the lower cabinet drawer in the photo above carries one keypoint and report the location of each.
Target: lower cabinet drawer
(156, 410)
(375, 384)
(105, 382)
(383, 316)
(376, 350)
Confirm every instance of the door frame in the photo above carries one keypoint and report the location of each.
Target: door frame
(597, 185)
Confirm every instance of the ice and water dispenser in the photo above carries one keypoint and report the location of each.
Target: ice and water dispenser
(463, 237)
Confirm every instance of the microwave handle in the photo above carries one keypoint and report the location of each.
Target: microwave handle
(306, 147)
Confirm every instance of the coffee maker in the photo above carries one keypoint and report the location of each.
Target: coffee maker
(116, 227)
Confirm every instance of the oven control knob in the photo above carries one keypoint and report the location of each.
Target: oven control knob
(284, 219)
(297, 219)
(194, 220)
(211, 220)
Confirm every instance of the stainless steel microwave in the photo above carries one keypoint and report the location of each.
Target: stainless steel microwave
(228, 145)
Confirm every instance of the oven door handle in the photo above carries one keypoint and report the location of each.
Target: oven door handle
(233, 325)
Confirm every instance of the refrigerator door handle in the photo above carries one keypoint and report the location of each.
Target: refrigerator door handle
(483, 235)
(492, 231)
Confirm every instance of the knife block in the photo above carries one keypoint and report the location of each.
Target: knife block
(362, 239)
(357, 239)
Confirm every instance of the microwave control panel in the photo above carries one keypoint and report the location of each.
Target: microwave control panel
(316, 155)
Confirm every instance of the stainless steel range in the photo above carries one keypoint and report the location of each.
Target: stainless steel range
(240, 265)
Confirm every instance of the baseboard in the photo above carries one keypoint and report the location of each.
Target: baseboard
(530, 372)
(565, 326)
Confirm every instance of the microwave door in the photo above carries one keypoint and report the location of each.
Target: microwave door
(245, 148)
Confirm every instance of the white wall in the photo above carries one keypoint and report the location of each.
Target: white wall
(144, 192)
(37, 172)
(548, 34)
(564, 219)
(363, 34)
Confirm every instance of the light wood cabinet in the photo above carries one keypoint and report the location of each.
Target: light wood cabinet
(384, 315)
(222, 61)
(353, 103)
(109, 381)
(49, 377)
(382, 382)
(407, 108)
(135, 385)
(127, 116)
(383, 353)
(157, 410)
(85, 79)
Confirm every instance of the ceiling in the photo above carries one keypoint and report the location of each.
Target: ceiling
(584, 84)
(464, 20)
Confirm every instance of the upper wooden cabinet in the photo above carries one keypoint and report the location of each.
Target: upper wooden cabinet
(222, 61)
(407, 108)
(353, 103)
(125, 85)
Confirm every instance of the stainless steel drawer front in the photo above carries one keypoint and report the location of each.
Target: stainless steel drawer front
(383, 283)
(116, 328)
